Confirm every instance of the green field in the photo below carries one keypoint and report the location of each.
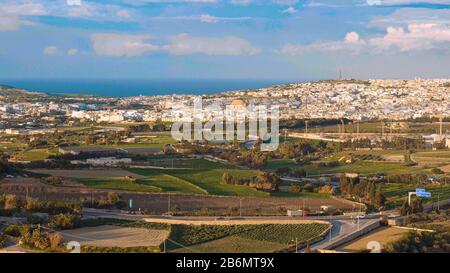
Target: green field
(363, 168)
(241, 238)
(397, 193)
(120, 184)
(210, 181)
(274, 164)
(187, 163)
(201, 181)
(233, 244)
(34, 155)
(150, 142)
(169, 183)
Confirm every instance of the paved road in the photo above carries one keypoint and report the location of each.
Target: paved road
(341, 229)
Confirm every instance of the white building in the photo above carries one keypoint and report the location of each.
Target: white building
(108, 161)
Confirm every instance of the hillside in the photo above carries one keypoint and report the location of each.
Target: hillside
(6, 90)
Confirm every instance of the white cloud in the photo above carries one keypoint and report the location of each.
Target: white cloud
(231, 46)
(352, 37)
(27, 9)
(350, 43)
(116, 45)
(290, 10)
(10, 15)
(406, 16)
(72, 52)
(206, 18)
(9, 22)
(415, 37)
(285, 2)
(405, 2)
(50, 50)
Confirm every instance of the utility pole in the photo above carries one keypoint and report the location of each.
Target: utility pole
(296, 245)
(306, 127)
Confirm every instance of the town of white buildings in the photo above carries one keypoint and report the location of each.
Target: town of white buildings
(352, 99)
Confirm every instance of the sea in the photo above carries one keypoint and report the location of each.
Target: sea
(130, 88)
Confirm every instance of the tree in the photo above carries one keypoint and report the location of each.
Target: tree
(405, 209)
(64, 221)
(113, 198)
(55, 240)
(380, 199)
(227, 178)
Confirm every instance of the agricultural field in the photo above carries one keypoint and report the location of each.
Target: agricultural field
(186, 163)
(86, 173)
(210, 181)
(274, 164)
(363, 168)
(154, 181)
(397, 193)
(233, 244)
(242, 238)
(370, 155)
(34, 154)
(115, 236)
(432, 159)
(129, 236)
(158, 141)
(117, 183)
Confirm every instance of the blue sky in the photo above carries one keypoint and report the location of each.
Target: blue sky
(235, 39)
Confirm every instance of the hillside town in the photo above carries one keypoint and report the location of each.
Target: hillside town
(350, 99)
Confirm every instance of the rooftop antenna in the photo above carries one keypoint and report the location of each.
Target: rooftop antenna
(340, 74)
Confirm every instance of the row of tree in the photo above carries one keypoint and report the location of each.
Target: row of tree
(263, 181)
(363, 191)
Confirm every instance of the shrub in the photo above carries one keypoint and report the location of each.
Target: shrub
(40, 239)
(12, 230)
(2, 241)
(11, 202)
(55, 240)
(64, 221)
